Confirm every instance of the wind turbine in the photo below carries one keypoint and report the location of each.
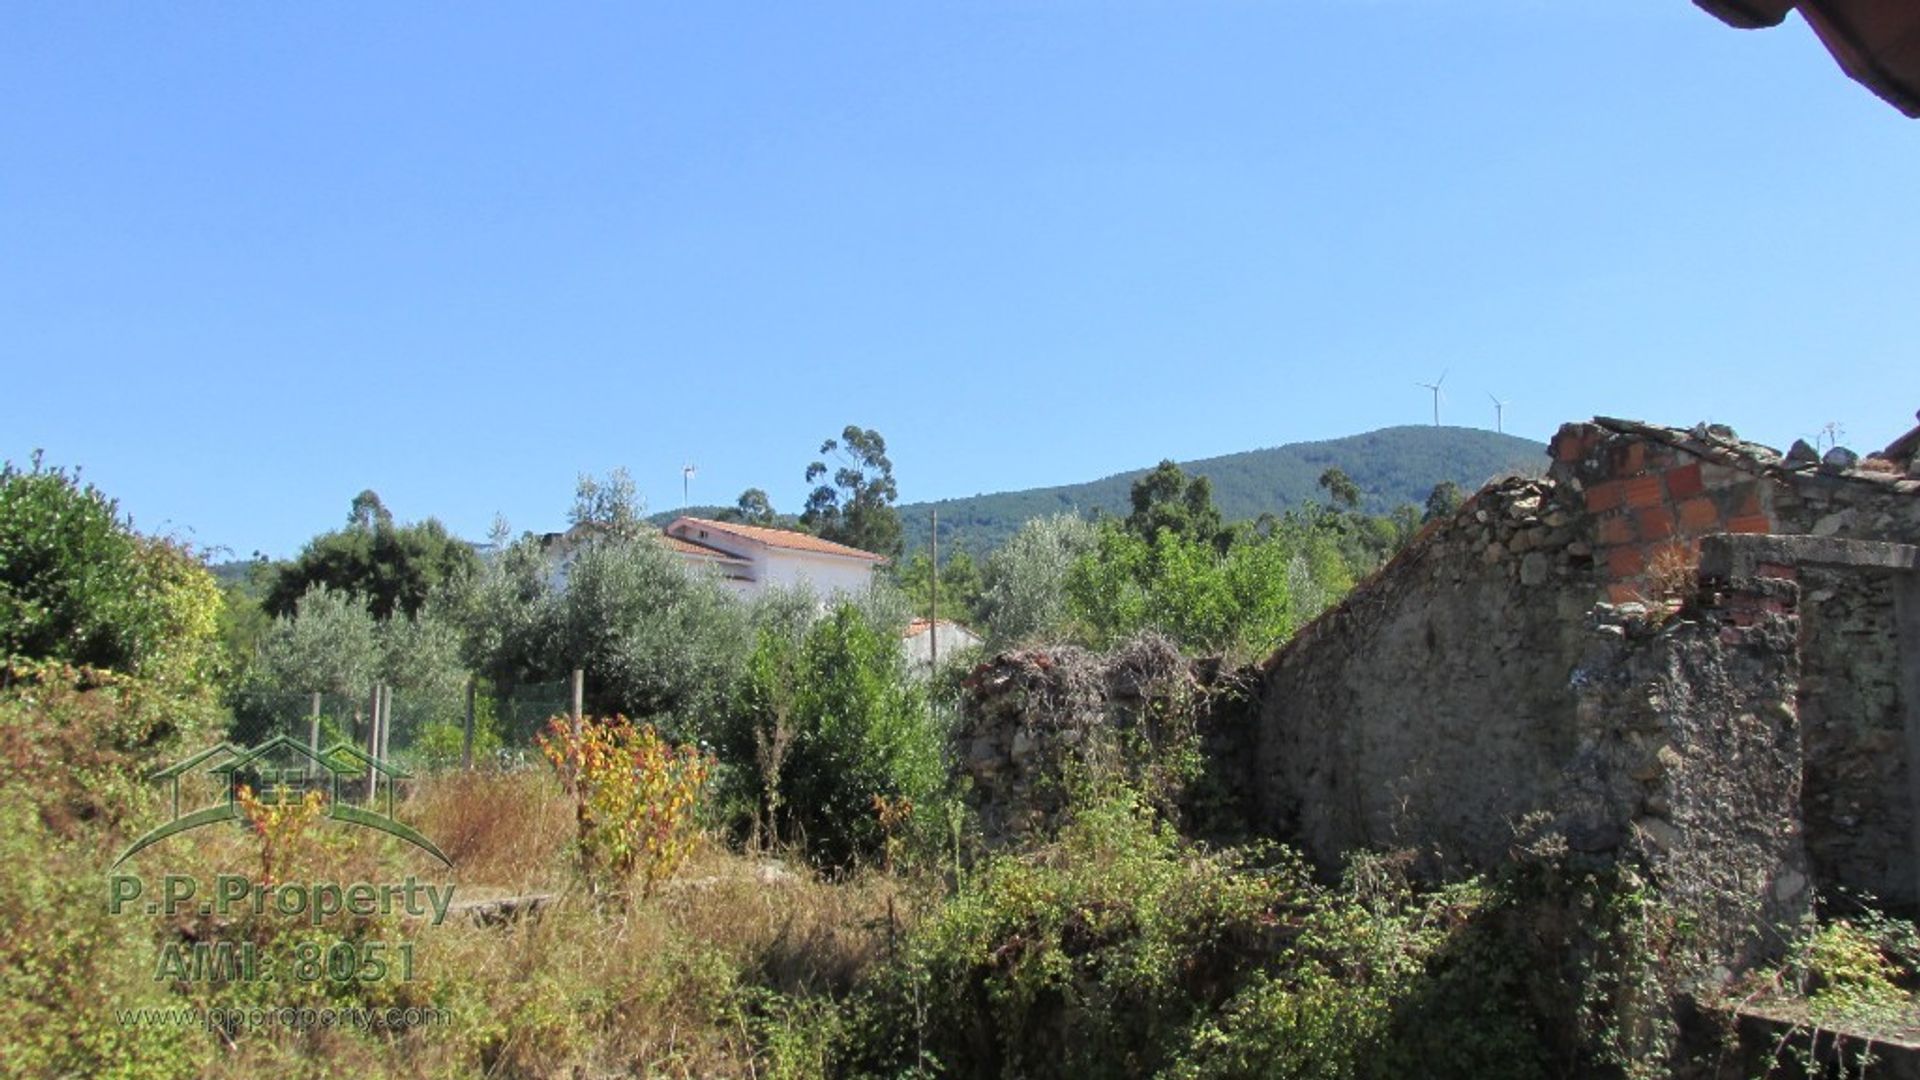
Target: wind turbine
(1435, 387)
(686, 485)
(1499, 409)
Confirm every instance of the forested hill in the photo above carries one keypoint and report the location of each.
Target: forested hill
(1391, 466)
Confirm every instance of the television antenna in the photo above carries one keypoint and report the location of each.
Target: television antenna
(1499, 411)
(1435, 387)
(686, 485)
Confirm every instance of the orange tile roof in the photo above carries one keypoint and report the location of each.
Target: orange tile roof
(920, 626)
(693, 547)
(779, 538)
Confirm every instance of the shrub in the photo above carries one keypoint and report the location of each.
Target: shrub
(280, 823)
(823, 726)
(78, 585)
(1240, 602)
(634, 797)
(74, 744)
(1851, 971)
(1092, 956)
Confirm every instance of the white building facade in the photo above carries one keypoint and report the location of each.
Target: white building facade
(751, 559)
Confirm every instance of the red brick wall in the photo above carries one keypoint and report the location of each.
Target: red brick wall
(1651, 502)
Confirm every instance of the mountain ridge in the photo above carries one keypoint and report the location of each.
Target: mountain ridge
(1391, 466)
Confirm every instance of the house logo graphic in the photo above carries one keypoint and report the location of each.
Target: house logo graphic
(283, 770)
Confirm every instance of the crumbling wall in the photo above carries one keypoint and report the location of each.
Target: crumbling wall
(1437, 705)
(1431, 709)
(1549, 653)
(1689, 761)
(1857, 800)
(1653, 493)
(1037, 721)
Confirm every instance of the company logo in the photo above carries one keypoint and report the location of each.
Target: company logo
(283, 770)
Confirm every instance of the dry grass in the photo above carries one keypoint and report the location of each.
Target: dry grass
(1673, 573)
(505, 832)
(784, 927)
(667, 987)
(732, 971)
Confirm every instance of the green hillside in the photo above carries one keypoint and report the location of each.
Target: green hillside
(1391, 466)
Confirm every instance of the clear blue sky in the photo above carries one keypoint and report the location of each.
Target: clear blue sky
(257, 257)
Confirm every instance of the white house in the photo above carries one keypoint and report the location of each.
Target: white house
(919, 642)
(746, 558)
(751, 558)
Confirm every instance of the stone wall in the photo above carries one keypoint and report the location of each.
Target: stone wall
(1857, 800)
(1655, 492)
(1431, 709)
(1557, 652)
(1443, 701)
(1688, 760)
(1038, 721)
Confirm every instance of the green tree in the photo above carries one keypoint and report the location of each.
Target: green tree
(368, 512)
(244, 623)
(421, 655)
(1023, 596)
(1340, 489)
(856, 509)
(753, 508)
(1444, 500)
(1406, 522)
(1167, 498)
(851, 724)
(611, 506)
(504, 612)
(390, 568)
(79, 585)
(959, 585)
(658, 642)
(330, 644)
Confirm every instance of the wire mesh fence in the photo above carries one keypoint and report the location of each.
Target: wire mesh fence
(524, 711)
(422, 729)
(323, 718)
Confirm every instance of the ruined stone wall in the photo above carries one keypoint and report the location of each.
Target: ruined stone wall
(1857, 800)
(1688, 761)
(1038, 721)
(1550, 654)
(1453, 709)
(1654, 492)
(1431, 709)
(1859, 725)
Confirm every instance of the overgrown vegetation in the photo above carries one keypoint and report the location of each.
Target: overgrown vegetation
(1112, 947)
(767, 872)
(79, 585)
(826, 721)
(635, 798)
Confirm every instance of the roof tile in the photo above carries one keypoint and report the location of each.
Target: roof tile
(785, 539)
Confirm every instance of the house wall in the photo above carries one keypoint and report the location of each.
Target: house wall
(824, 574)
(775, 567)
(1434, 708)
(953, 638)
